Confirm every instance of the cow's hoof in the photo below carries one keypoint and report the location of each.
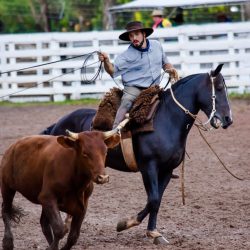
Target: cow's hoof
(121, 225)
(160, 241)
(8, 243)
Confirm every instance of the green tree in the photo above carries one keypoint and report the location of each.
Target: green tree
(55, 15)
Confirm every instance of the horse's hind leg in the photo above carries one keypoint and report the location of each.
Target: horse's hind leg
(46, 228)
(7, 210)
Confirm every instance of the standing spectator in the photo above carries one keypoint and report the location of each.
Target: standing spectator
(159, 21)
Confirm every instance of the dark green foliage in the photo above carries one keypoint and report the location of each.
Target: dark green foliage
(82, 15)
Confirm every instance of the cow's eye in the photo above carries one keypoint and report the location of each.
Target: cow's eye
(84, 154)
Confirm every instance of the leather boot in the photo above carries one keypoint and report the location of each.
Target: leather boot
(120, 115)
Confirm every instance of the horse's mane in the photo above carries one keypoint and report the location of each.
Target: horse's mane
(182, 81)
(185, 80)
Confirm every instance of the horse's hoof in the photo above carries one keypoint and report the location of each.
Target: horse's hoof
(121, 225)
(127, 223)
(160, 241)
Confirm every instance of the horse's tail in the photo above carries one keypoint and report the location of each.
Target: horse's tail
(48, 130)
(16, 213)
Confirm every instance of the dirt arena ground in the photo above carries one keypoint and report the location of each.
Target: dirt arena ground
(217, 211)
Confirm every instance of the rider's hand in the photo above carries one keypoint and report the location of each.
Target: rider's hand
(173, 73)
(103, 56)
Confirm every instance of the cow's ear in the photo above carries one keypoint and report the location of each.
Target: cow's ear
(65, 141)
(113, 141)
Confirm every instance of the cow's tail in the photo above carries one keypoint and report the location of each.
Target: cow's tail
(48, 130)
(16, 213)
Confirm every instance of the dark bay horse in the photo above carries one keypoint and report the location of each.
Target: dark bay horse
(159, 152)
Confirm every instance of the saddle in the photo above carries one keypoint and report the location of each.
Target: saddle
(141, 118)
(141, 114)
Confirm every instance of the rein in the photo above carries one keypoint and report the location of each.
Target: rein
(222, 163)
(201, 126)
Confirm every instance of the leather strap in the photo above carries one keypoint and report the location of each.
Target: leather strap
(128, 151)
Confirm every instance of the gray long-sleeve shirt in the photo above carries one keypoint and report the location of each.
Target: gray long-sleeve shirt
(140, 69)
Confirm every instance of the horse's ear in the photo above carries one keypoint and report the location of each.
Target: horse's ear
(217, 70)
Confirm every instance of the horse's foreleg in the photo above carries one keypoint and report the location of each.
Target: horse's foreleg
(7, 214)
(150, 179)
(127, 223)
(163, 180)
(162, 184)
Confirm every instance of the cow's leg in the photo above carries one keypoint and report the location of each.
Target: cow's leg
(7, 213)
(44, 221)
(51, 211)
(67, 222)
(74, 231)
(80, 208)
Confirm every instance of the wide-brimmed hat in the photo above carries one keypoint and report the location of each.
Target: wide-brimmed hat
(157, 13)
(133, 26)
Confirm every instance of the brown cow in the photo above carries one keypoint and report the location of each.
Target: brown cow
(58, 173)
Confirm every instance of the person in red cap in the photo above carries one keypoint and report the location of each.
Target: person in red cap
(139, 66)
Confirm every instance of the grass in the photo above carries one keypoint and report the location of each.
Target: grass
(87, 101)
(92, 101)
(236, 96)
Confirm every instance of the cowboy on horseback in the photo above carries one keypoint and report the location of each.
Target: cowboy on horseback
(139, 66)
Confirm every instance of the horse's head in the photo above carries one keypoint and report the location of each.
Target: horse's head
(215, 103)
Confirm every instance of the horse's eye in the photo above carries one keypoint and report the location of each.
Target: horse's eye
(219, 87)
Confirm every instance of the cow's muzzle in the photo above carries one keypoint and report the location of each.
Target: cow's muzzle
(101, 179)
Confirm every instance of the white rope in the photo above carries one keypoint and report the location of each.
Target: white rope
(198, 123)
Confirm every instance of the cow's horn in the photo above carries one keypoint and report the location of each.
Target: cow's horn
(110, 133)
(72, 135)
(116, 130)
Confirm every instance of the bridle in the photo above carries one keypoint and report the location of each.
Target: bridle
(201, 126)
(198, 122)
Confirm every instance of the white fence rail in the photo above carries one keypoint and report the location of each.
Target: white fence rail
(191, 48)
